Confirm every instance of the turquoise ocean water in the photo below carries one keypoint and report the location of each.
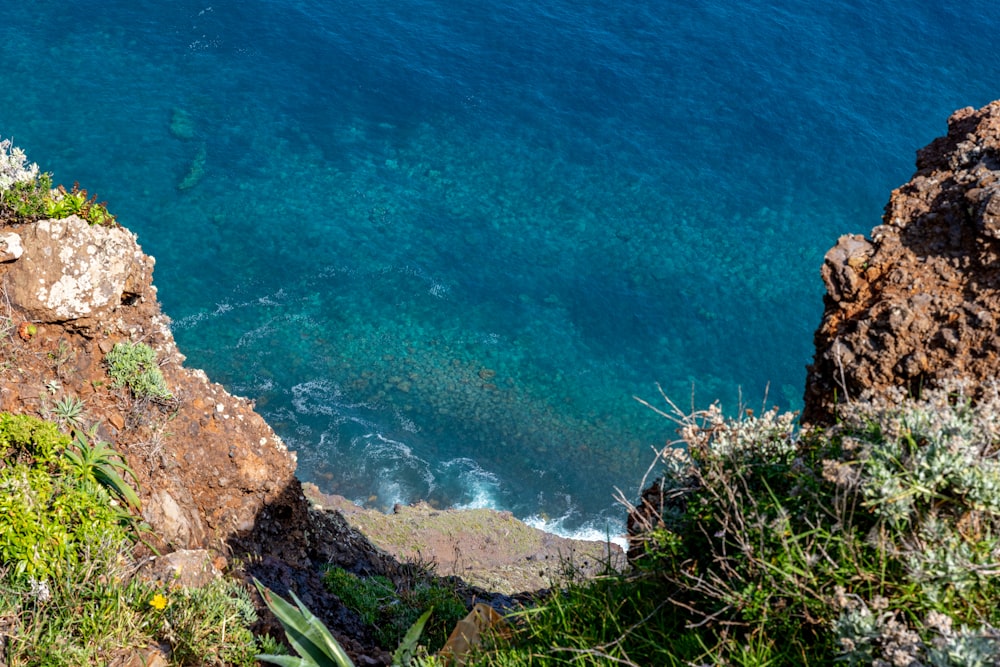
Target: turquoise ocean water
(444, 243)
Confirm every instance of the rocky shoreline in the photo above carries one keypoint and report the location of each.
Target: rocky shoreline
(913, 306)
(213, 475)
(485, 548)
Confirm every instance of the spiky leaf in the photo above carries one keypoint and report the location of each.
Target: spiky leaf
(306, 633)
(408, 647)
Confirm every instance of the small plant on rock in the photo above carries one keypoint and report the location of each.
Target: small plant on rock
(67, 412)
(134, 365)
(94, 461)
(26, 200)
(62, 203)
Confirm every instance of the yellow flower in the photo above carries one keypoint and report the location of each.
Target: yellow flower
(158, 601)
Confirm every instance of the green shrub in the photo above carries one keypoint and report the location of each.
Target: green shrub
(26, 200)
(28, 195)
(47, 515)
(65, 591)
(210, 624)
(392, 609)
(134, 365)
(62, 203)
(23, 437)
(874, 540)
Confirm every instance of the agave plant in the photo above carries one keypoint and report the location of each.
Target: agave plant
(306, 633)
(68, 411)
(96, 461)
(314, 643)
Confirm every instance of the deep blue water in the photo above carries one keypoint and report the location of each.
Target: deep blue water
(443, 244)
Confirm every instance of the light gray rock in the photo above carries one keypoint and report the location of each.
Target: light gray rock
(10, 247)
(71, 270)
(190, 568)
(842, 267)
(171, 522)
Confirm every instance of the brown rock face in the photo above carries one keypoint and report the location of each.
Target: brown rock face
(207, 464)
(919, 302)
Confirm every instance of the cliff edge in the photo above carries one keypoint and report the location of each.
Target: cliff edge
(208, 465)
(212, 473)
(917, 303)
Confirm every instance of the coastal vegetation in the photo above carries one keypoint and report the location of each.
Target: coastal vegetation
(68, 591)
(133, 365)
(393, 608)
(26, 194)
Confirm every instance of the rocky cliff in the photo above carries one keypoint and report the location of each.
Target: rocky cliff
(918, 302)
(212, 474)
(208, 465)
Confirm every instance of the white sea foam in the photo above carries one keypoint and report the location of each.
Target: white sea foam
(254, 335)
(276, 298)
(592, 530)
(405, 422)
(316, 397)
(390, 493)
(479, 485)
(394, 459)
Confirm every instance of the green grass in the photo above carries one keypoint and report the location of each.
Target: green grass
(392, 608)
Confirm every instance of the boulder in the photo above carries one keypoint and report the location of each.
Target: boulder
(70, 270)
(918, 302)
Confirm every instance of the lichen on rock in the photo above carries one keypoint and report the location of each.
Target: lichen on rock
(70, 270)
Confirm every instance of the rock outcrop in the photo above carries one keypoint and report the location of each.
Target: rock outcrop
(918, 302)
(214, 480)
(71, 271)
(208, 465)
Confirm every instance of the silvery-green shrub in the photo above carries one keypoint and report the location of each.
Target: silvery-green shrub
(14, 167)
